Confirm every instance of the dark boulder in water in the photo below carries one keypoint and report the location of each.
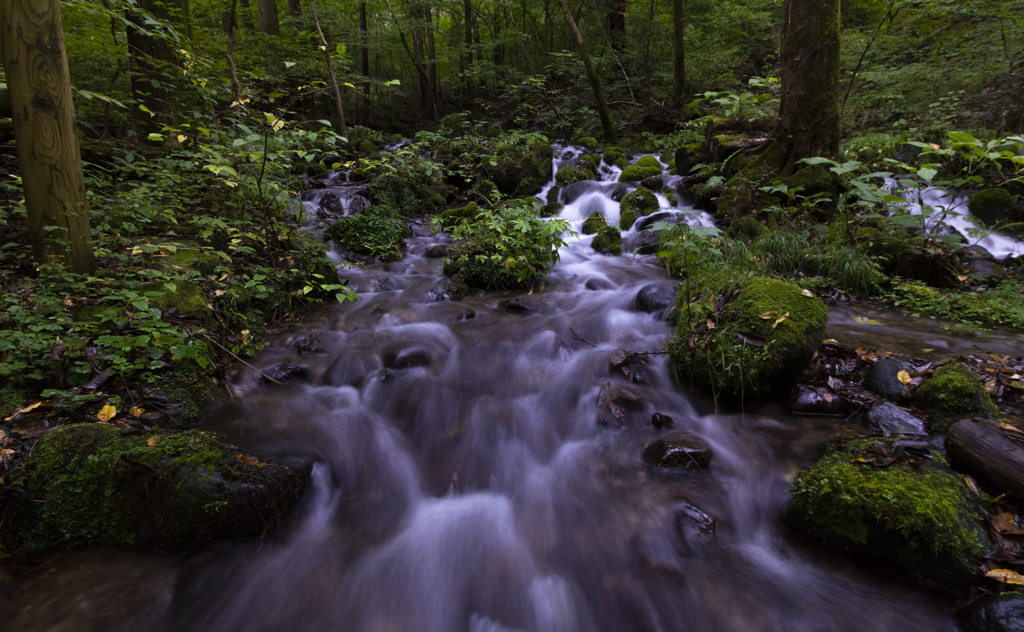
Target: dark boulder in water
(679, 451)
(656, 298)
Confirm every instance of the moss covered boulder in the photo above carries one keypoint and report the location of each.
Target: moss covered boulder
(895, 499)
(607, 240)
(180, 294)
(760, 343)
(521, 169)
(454, 216)
(639, 203)
(594, 222)
(99, 484)
(748, 228)
(645, 167)
(615, 156)
(991, 205)
(953, 393)
(568, 175)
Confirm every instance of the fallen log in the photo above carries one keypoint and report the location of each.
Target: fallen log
(988, 452)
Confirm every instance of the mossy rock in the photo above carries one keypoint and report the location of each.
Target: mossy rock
(914, 511)
(813, 179)
(552, 195)
(551, 209)
(991, 205)
(607, 239)
(615, 156)
(186, 296)
(587, 142)
(764, 168)
(645, 167)
(639, 203)
(395, 137)
(533, 184)
(594, 222)
(367, 147)
(516, 163)
(589, 161)
(193, 259)
(360, 175)
(747, 227)
(653, 182)
(689, 155)
(103, 485)
(735, 202)
(753, 351)
(315, 170)
(11, 399)
(455, 216)
(568, 175)
(953, 393)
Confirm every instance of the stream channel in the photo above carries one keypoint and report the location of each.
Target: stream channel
(463, 481)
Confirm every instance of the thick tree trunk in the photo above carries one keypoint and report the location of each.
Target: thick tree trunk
(678, 51)
(809, 123)
(366, 62)
(616, 12)
(229, 26)
(595, 80)
(269, 22)
(295, 8)
(145, 54)
(425, 87)
(32, 36)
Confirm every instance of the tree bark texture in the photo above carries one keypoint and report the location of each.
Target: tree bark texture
(809, 122)
(595, 81)
(32, 36)
(678, 51)
(467, 6)
(983, 451)
(432, 60)
(229, 22)
(616, 11)
(330, 70)
(145, 52)
(269, 22)
(365, 54)
(295, 7)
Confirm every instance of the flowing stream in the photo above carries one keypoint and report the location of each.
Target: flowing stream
(464, 479)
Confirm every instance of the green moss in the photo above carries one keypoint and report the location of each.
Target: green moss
(991, 205)
(194, 259)
(750, 355)
(747, 227)
(761, 170)
(315, 170)
(953, 393)
(568, 175)
(645, 167)
(360, 175)
(187, 297)
(594, 222)
(589, 142)
(921, 516)
(367, 147)
(648, 162)
(589, 161)
(813, 179)
(453, 216)
(615, 156)
(734, 202)
(607, 239)
(638, 203)
(514, 163)
(11, 399)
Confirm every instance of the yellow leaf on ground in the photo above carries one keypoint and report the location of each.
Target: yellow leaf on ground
(781, 318)
(24, 410)
(904, 377)
(1007, 523)
(711, 324)
(152, 441)
(769, 315)
(3, 435)
(808, 293)
(973, 484)
(137, 411)
(106, 413)
(1006, 576)
(248, 460)
(6, 455)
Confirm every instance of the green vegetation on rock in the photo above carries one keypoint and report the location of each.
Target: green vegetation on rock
(914, 511)
(638, 203)
(991, 206)
(376, 232)
(953, 393)
(609, 239)
(594, 222)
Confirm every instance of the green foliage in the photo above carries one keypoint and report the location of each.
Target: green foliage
(607, 239)
(506, 248)
(999, 306)
(954, 392)
(377, 232)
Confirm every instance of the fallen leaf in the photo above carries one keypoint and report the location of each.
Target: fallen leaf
(137, 411)
(711, 324)
(218, 292)
(24, 410)
(830, 341)
(1006, 576)
(808, 293)
(961, 277)
(248, 460)
(106, 413)
(769, 315)
(972, 484)
(1009, 427)
(866, 321)
(904, 377)
(781, 318)
(6, 455)
(1006, 523)
(828, 397)
(152, 441)
(927, 350)
(3, 435)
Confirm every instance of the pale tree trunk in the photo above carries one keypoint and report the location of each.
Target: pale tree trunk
(330, 69)
(269, 22)
(32, 36)
(522, 44)
(229, 26)
(809, 123)
(678, 51)
(595, 80)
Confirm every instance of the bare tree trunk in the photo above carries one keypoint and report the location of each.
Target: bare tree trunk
(366, 62)
(522, 44)
(432, 57)
(616, 14)
(330, 70)
(595, 80)
(647, 52)
(229, 26)
(809, 123)
(32, 37)
(468, 40)
(269, 22)
(678, 51)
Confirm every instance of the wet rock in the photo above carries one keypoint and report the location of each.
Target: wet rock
(619, 358)
(620, 395)
(660, 420)
(452, 289)
(985, 270)
(656, 298)
(308, 344)
(891, 499)
(883, 380)
(438, 252)
(679, 451)
(330, 204)
(953, 393)
(285, 373)
(99, 484)
(596, 284)
(1002, 613)
(517, 305)
(406, 358)
(661, 216)
(991, 206)
(814, 400)
(695, 528)
(644, 242)
(894, 420)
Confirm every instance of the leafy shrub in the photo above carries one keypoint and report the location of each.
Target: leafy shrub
(377, 232)
(507, 248)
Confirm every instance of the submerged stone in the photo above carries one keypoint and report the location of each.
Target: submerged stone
(656, 298)
(679, 451)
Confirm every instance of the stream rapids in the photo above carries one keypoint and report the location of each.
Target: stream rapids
(463, 479)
